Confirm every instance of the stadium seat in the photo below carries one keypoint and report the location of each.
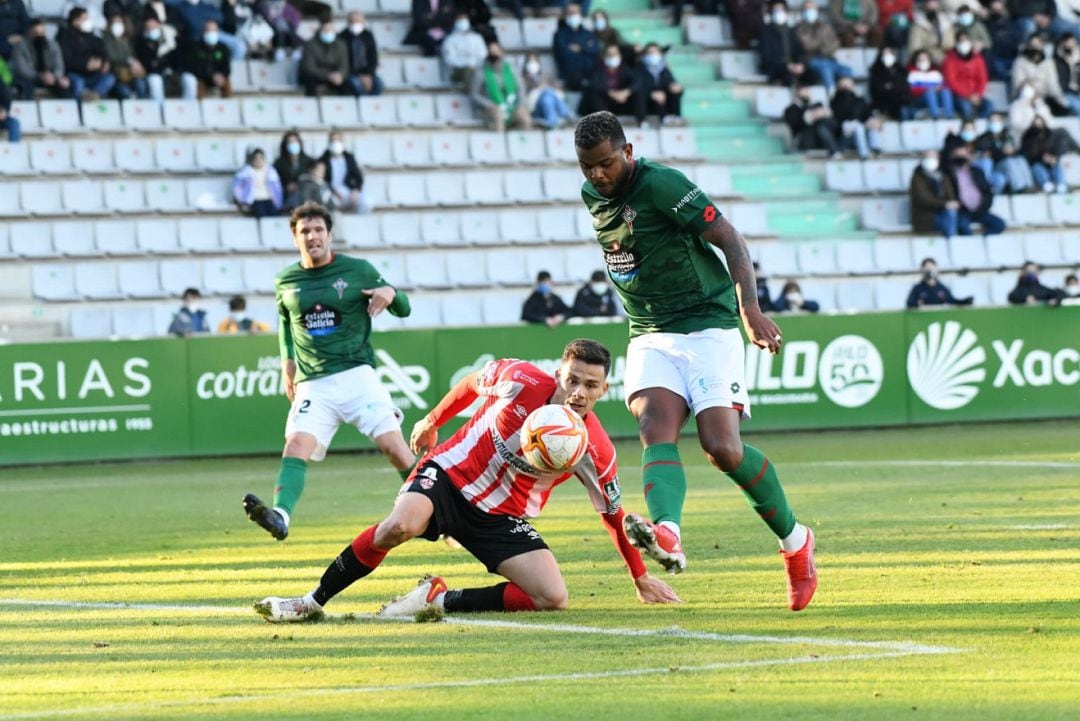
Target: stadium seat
(275, 77)
(390, 33)
(14, 158)
(1002, 208)
(855, 296)
(484, 187)
(5, 242)
(563, 184)
(417, 110)
(359, 231)
(215, 154)
(893, 255)
(884, 175)
(426, 311)
(51, 156)
(176, 155)
(890, 138)
(392, 267)
(274, 234)
(646, 142)
(556, 224)
(887, 214)
(1070, 164)
(584, 225)
(298, 112)
(400, 229)
(53, 282)
(560, 145)
(523, 186)
(918, 135)
(259, 273)
(141, 114)
(93, 322)
(440, 228)
(777, 258)
(467, 268)
(749, 218)
(134, 155)
(539, 32)
(543, 259)
(179, 274)
(378, 111)
(740, 65)
(519, 227)
(238, 234)
(133, 321)
(942, 128)
(406, 190)
(1001, 284)
(339, 112)
(581, 261)
(845, 176)
(59, 115)
(240, 77)
(166, 194)
(116, 237)
(507, 267)
(423, 72)
(392, 71)
(526, 146)
(262, 113)
(1065, 209)
(509, 32)
(125, 196)
(221, 113)
(892, 293)
(678, 143)
(488, 148)
(92, 156)
(817, 257)
(974, 285)
(446, 188)
(102, 115)
(502, 307)
(96, 281)
(82, 196)
(411, 150)
(138, 279)
(1005, 251)
(967, 252)
(427, 270)
(855, 59)
(1044, 248)
(450, 149)
(26, 112)
(855, 257)
(821, 291)
(715, 180)
(374, 151)
(223, 276)
(182, 114)
(74, 238)
(704, 30)
(40, 198)
(10, 206)
(936, 248)
(31, 240)
(199, 235)
(770, 102)
(1030, 209)
(157, 236)
(479, 228)
(455, 109)
(460, 309)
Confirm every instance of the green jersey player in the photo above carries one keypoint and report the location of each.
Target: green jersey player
(326, 303)
(658, 230)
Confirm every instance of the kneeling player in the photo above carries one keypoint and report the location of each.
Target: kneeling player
(478, 488)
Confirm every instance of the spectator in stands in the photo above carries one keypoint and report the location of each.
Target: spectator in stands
(999, 147)
(980, 150)
(544, 102)
(791, 299)
(9, 124)
(894, 19)
(499, 92)
(543, 305)
(363, 57)
(238, 321)
(190, 319)
(608, 35)
(292, 162)
(314, 188)
(132, 11)
(431, 21)
(479, 15)
(966, 78)
(934, 206)
(966, 20)
(1024, 109)
(1067, 63)
(811, 123)
(1029, 291)
(932, 31)
(120, 53)
(764, 298)
(858, 126)
(889, 92)
(257, 187)
(927, 87)
(1072, 286)
(747, 20)
(1037, 145)
(324, 66)
(820, 43)
(84, 58)
(973, 193)
(930, 290)
(576, 49)
(658, 88)
(208, 64)
(1036, 69)
(1006, 41)
(614, 87)
(38, 62)
(856, 20)
(344, 175)
(1039, 17)
(284, 21)
(783, 59)
(192, 17)
(14, 24)
(154, 54)
(596, 299)
(463, 51)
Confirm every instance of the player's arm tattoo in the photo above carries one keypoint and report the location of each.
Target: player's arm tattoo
(724, 236)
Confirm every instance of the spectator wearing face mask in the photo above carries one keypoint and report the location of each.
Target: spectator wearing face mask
(363, 57)
(1035, 69)
(820, 43)
(931, 31)
(154, 52)
(894, 19)
(927, 87)
(544, 102)
(966, 77)
(1029, 291)
(1067, 63)
(811, 123)
(608, 35)
(595, 299)
(1010, 168)
(858, 126)
(1005, 40)
(120, 52)
(544, 305)
(783, 58)
(344, 176)
(291, 163)
(499, 92)
(979, 152)
(38, 62)
(324, 65)
(934, 206)
(190, 319)
(889, 92)
(973, 193)
(1037, 146)
(84, 58)
(192, 17)
(208, 64)
(614, 87)
(856, 20)
(1072, 288)
(970, 22)
(463, 50)
(238, 321)
(1025, 107)
(1040, 17)
(930, 291)
(661, 94)
(576, 49)
(431, 22)
(791, 300)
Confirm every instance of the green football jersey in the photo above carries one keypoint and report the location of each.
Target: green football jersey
(669, 279)
(324, 322)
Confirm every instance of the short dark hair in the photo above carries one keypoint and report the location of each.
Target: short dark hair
(543, 275)
(74, 13)
(191, 291)
(237, 302)
(926, 260)
(597, 276)
(595, 128)
(1071, 276)
(311, 209)
(588, 351)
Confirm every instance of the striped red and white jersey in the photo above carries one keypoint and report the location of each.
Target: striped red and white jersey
(483, 459)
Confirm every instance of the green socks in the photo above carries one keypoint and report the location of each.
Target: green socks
(290, 485)
(664, 479)
(757, 479)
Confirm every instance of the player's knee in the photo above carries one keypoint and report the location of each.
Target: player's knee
(726, 454)
(657, 428)
(552, 599)
(395, 531)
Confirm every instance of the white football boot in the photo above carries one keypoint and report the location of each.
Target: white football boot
(289, 610)
(416, 600)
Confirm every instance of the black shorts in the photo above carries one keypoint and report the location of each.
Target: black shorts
(490, 538)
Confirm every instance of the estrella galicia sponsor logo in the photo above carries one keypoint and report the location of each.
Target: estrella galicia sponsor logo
(681, 203)
(622, 264)
(945, 365)
(321, 320)
(851, 371)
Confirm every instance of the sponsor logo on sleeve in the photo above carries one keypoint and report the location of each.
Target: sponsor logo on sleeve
(683, 201)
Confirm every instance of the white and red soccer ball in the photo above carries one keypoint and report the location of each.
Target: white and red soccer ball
(553, 439)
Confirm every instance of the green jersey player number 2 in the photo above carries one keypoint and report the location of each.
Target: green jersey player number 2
(658, 232)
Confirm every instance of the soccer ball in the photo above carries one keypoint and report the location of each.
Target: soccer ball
(553, 439)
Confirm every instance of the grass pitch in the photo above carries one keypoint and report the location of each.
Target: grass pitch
(948, 590)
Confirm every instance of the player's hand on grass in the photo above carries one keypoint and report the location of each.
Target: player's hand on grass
(380, 297)
(424, 436)
(761, 330)
(651, 589)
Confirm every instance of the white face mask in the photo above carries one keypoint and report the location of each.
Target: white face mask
(237, 316)
(779, 18)
(599, 25)
(599, 287)
(965, 19)
(810, 15)
(1073, 291)
(930, 165)
(574, 21)
(356, 28)
(192, 306)
(963, 47)
(794, 298)
(337, 147)
(117, 29)
(923, 65)
(613, 61)
(462, 26)
(888, 60)
(86, 25)
(532, 67)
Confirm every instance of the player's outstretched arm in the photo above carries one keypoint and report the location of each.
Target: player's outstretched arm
(425, 434)
(760, 329)
(649, 588)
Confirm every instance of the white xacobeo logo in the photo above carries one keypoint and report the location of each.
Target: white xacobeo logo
(944, 365)
(850, 371)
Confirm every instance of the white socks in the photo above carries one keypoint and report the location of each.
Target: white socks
(671, 526)
(283, 513)
(794, 540)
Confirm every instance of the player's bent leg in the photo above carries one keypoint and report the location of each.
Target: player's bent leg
(536, 583)
(292, 477)
(410, 517)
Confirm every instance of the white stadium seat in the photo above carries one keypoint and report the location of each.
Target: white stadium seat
(157, 236)
(53, 282)
(274, 234)
(740, 65)
(134, 321)
(770, 102)
(704, 30)
(221, 113)
(378, 111)
(51, 156)
(93, 322)
(339, 112)
(936, 248)
(178, 275)
(885, 175)
(484, 187)
(182, 114)
(215, 154)
(855, 296)
(455, 109)
(417, 110)
(502, 307)
(134, 155)
(125, 196)
(440, 228)
(1004, 251)
(1030, 209)
(488, 147)
(239, 234)
(646, 142)
(423, 72)
(777, 258)
(116, 237)
(26, 112)
(559, 145)
(524, 186)
(526, 146)
(816, 257)
(543, 259)
(141, 114)
(406, 190)
(1065, 209)
(891, 293)
(968, 252)
(166, 194)
(359, 231)
(893, 255)
(74, 238)
(40, 198)
(259, 273)
(1045, 248)
(855, 256)
(223, 276)
(412, 150)
(507, 267)
(139, 279)
(450, 149)
(460, 309)
(918, 135)
(92, 156)
(14, 158)
(427, 270)
(973, 285)
(297, 112)
(678, 143)
(97, 281)
(274, 76)
(845, 176)
(509, 33)
(175, 154)
(82, 196)
(400, 229)
(519, 227)
(539, 32)
(467, 268)
(479, 227)
(199, 235)
(886, 214)
(446, 188)
(374, 151)
(59, 115)
(261, 113)
(102, 115)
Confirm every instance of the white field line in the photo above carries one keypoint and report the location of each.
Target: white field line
(1040, 527)
(887, 649)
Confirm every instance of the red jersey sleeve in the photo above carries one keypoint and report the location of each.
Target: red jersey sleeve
(598, 471)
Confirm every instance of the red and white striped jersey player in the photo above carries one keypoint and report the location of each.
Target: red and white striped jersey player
(478, 488)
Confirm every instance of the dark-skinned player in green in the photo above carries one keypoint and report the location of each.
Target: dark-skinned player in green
(657, 230)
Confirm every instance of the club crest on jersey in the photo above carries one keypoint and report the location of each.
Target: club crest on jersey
(629, 215)
(340, 285)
